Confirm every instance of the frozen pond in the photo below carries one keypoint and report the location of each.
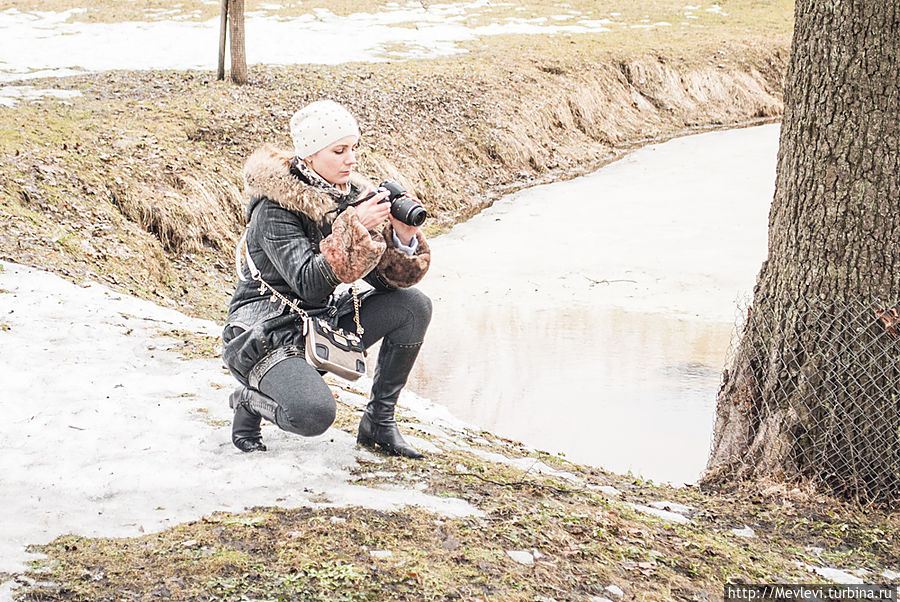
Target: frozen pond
(593, 316)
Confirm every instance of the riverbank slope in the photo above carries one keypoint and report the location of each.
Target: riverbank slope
(136, 182)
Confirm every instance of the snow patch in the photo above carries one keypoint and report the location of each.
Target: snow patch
(663, 514)
(50, 43)
(521, 556)
(607, 490)
(650, 25)
(835, 575)
(527, 465)
(7, 590)
(11, 95)
(107, 433)
(671, 507)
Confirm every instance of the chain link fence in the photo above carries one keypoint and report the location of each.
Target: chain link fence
(830, 373)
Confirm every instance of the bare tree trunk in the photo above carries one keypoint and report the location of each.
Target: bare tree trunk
(238, 54)
(796, 401)
(223, 29)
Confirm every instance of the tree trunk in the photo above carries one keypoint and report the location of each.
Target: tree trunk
(813, 391)
(223, 29)
(238, 54)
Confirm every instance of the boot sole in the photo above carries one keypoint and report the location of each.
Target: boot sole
(257, 446)
(389, 450)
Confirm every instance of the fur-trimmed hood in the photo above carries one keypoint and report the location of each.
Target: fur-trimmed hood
(267, 173)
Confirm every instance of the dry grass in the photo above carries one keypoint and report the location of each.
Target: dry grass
(190, 345)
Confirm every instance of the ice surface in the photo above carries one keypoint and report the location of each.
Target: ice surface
(598, 323)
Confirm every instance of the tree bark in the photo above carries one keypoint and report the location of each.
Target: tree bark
(815, 371)
(238, 53)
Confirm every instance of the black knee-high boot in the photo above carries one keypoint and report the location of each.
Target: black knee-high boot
(377, 425)
(249, 408)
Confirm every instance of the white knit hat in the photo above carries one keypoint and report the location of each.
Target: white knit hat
(318, 124)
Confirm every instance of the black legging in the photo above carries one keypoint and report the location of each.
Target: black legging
(401, 316)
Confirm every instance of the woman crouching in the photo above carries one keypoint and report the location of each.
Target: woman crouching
(306, 234)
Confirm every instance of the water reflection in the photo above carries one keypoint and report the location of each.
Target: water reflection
(592, 317)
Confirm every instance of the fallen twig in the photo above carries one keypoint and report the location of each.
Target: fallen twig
(604, 281)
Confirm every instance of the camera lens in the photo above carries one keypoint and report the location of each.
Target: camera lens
(408, 211)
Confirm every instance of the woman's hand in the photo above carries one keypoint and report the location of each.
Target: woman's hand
(405, 232)
(373, 212)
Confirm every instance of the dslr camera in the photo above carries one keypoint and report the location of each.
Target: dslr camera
(403, 207)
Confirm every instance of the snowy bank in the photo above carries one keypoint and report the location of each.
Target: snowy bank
(106, 432)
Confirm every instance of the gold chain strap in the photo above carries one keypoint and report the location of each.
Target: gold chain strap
(359, 328)
(276, 296)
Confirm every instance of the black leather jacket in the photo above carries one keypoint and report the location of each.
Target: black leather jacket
(304, 243)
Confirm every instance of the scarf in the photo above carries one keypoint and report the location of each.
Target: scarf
(308, 175)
